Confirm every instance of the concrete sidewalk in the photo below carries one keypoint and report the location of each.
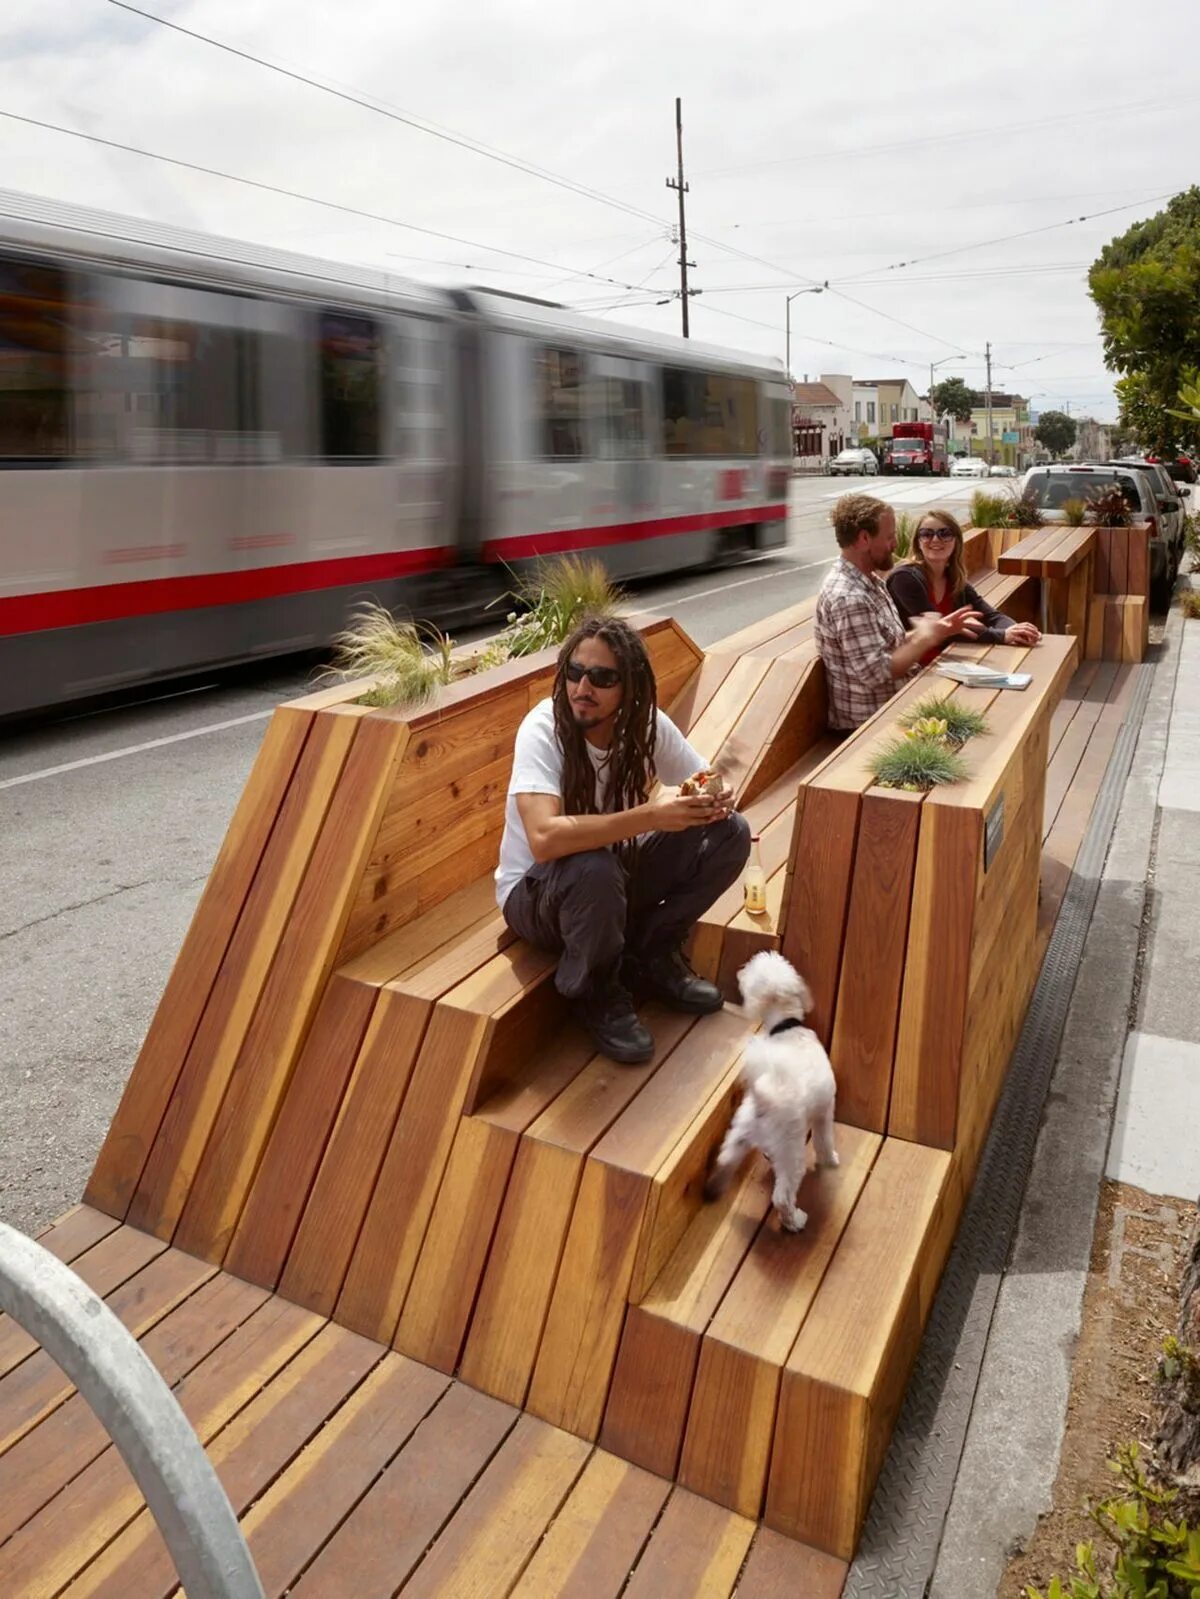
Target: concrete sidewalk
(1129, 1059)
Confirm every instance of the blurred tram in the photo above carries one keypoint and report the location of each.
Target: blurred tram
(210, 451)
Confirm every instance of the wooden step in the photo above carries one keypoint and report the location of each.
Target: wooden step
(731, 1418)
(640, 1187)
(845, 1376)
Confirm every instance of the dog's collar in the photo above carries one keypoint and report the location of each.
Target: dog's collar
(785, 1025)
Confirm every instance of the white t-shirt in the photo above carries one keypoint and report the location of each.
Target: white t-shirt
(537, 769)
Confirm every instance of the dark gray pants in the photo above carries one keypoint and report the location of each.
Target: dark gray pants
(591, 909)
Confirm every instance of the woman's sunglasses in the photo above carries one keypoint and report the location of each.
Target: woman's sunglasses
(929, 534)
(597, 676)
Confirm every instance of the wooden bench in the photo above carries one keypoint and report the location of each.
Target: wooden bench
(1062, 559)
(364, 1112)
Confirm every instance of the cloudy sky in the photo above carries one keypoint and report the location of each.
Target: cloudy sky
(822, 143)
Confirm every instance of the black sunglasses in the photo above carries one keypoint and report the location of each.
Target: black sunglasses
(597, 676)
(934, 533)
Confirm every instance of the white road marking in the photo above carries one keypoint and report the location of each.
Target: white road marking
(724, 588)
(134, 749)
(902, 491)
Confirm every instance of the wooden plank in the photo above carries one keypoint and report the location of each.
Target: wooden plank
(291, 993)
(521, 1489)
(1137, 557)
(180, 1139)
(1119, 559)
(1113, 619)
(248, 1452)
(597, 1535)
(696, 695)
(37, 1387)
(845, 1377)
(279, 1192)
(731, 1422)
(76, 1231)
(62, 1445)
(695, 1552)
(605, 1249)
(446, 1282)
(761, 632)
(872, 970)
(333, 1215)
(817, 902)
(393, 1230)
(801, 735)
(377, 1547)
(1134, 628)
(305, 1505)
(518, 1281)
(647, 1407)
(151, 1084)
(1104, 557)
(780, 1568)
(1079, 592)
(91, 1510)
(444, 925)
(727, 706)
(110, 1261)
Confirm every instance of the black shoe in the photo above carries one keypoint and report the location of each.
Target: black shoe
(669, 977)
(610, 1019)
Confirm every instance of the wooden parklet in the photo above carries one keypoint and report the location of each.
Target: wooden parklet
(362, 1105)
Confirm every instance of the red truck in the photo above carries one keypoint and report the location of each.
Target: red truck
(917, 447)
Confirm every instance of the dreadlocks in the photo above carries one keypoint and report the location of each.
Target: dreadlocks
(631, 756)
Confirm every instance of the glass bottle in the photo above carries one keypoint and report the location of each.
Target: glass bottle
(755, 880)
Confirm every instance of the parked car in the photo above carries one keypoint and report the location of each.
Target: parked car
(854, 463)
(969, 466)
(1182, 469)
(1050, 487)
(1002, 471)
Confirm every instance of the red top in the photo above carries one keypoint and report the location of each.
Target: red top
(943, 606)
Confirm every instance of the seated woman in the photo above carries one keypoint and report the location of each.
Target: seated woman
(935, 579)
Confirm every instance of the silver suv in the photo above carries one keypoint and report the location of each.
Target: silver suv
(1050, 487)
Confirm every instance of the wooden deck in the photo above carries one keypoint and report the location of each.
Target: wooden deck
(355, 1471)
(466, 1327)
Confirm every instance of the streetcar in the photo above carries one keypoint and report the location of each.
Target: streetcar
(211, 450)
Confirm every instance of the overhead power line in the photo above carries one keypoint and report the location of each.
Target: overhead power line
(394, 114)
(981, 128)
(308, 199)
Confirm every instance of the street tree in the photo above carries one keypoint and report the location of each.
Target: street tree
(953, 398)
(1056, 430)
(1146, 285)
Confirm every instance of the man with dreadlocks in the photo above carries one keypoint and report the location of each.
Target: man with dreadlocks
(589, 864)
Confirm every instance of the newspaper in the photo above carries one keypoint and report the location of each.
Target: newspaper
(976, 676)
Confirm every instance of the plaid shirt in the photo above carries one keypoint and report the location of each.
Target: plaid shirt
(857, 627)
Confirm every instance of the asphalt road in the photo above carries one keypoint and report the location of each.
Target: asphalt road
(110, 823)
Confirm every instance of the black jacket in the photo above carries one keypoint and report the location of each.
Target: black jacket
(911, 597)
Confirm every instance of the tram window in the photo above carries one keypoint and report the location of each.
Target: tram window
(779, 432)
(35, 343)
(351, 387)
(560, 388)
(620, 418)
(708, 413)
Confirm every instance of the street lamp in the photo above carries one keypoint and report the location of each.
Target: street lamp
(817, 289)
(933, 366)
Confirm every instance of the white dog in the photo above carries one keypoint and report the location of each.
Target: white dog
(789, 1087)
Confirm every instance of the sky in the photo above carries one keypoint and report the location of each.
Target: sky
(822, 144)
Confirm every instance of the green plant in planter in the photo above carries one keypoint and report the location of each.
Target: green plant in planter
(410, 659)
(1189, 604)
(990, 510)
(917, 764)
(1109, 509)
(550, 604)
(1026, 512)
(960, 722)
(1074, 512)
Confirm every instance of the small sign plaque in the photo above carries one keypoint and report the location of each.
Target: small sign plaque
(993, 832)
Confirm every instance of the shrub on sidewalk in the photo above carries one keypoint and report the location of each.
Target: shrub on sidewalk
(1150, 1555)
(1189, 604)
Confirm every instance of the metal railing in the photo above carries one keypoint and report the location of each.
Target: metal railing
(126, 1393)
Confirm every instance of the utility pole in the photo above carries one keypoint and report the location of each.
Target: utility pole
(681, 186)
(988, 403)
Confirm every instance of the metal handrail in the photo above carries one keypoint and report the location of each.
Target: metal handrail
(125, 1391)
